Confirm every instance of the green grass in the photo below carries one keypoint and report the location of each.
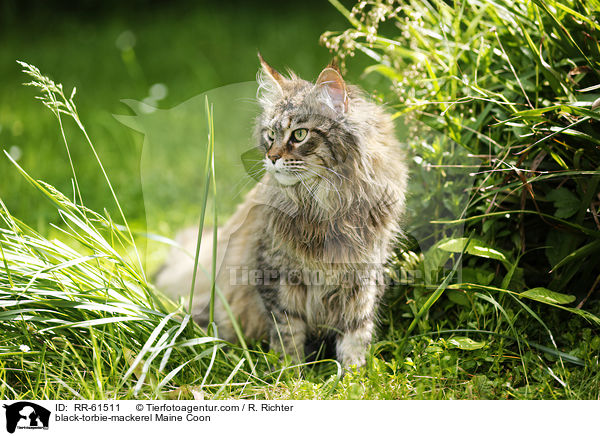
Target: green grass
(80, 317)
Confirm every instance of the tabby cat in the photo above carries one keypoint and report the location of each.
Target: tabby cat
(303, 255)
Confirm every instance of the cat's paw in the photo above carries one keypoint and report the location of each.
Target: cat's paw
(356, 362)
(353, 370)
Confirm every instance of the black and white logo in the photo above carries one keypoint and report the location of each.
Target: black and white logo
(26, 415)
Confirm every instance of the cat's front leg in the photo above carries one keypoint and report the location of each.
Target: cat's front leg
(352, 345)
(288, 328)
(288, 335)
(358, 322)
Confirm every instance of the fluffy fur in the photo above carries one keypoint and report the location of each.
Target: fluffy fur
(303, 256)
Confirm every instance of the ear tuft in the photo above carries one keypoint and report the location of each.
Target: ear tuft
(334, 65)
(271, 72)
(333, 84)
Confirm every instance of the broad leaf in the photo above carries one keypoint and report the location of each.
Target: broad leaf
(585, 252)
(544, 295)
(465, 343)
(476, 248)
(567, 204)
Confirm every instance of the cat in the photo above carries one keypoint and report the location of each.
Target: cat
(303, 256)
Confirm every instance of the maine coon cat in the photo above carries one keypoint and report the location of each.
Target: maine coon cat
(303, 255)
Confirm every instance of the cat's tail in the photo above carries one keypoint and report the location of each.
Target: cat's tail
(174, 277)
(245, 306)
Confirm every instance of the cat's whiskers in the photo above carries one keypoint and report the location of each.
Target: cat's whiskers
(298, 167)
(310, 192)
(322, 177)
(340, 176)
(253, 170)
(253, 174)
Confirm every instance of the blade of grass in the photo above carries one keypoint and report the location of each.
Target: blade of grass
(204, 200)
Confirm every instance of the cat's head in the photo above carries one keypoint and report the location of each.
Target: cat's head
(303, 129)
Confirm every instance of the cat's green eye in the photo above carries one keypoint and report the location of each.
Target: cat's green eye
(270, 134)
(299, 134)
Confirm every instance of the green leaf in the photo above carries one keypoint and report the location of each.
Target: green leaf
(566, 203)
(459, 297)
(559, 245)
(544, 295)
(582, 252)
(475, 247)
(480, 275)
(509, 275)
(465, 343)
(434, 349)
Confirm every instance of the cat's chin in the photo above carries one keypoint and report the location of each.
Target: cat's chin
(285, 179)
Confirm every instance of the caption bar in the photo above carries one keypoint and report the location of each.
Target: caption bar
(65, 418)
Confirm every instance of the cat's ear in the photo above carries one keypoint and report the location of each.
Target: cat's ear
(271, 72)
(331, 81)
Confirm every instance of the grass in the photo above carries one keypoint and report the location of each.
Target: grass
(471, 320)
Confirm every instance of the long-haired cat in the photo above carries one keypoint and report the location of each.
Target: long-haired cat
(303, 255)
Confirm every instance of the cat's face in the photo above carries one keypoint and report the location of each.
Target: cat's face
(299, 128)
(296, 145)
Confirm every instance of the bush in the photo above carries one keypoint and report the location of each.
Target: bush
(513, 84)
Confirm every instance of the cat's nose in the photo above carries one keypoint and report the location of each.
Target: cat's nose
(273, 157)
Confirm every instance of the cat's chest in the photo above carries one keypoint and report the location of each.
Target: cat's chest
(312, 243)
(317, 304)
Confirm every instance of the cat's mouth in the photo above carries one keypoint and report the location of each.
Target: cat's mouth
(285, 176)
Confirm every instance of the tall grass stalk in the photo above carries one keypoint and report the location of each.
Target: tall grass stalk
(207, 182)
(54, 98)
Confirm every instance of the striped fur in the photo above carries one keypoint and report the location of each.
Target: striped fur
(294, 257)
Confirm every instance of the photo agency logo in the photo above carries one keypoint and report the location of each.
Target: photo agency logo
(25, 415)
